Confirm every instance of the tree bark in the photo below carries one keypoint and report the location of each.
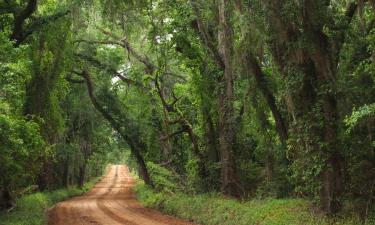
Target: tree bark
(317, 63)
(229, 180)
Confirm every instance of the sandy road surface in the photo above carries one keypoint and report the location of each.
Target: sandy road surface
(110, 202)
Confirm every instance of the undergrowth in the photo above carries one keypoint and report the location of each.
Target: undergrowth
(214, 209)
(31, 208)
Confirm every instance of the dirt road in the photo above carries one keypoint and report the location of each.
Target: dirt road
(110, 202)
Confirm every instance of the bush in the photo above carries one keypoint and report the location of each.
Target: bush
(162, 178)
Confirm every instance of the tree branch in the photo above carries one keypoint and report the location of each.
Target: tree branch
(172, 134)
(205, 37)
(103, 66)
(270, 99)
(150, 68)
(19, 19)
(35, 25)
(100, 42)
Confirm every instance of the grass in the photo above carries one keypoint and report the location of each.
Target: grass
(31, 208)
(213, 209)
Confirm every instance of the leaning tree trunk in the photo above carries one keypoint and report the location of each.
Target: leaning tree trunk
(135, 147)
(132, 141)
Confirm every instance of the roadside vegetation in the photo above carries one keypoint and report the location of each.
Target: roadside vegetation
(215, 209)
(263, 106)
(31, 209)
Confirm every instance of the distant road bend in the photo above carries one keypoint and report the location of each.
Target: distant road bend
(110, 202)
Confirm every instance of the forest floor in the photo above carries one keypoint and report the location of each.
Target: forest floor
(111, 202)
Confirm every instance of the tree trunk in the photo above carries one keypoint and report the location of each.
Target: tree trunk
(65, 178)
(81, 176)
(331, 186)
(135, 148)
(269, 166)
(316, 98)
(229, 180)
(45, 178)
(7, 200)
(211, 139)
(331, 176)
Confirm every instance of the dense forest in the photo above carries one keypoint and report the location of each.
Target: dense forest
(246, 98)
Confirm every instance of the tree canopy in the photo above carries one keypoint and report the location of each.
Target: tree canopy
(249, 98)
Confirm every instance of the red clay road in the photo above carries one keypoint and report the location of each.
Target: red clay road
(110, 202)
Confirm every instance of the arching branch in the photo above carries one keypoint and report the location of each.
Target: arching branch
(19, 32)
(150, 68)
(95, 62)
(133, 144)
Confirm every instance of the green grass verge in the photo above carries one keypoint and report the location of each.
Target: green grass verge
(217, 210)
(31, 208)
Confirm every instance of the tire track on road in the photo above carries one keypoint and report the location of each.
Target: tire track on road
(110, 202)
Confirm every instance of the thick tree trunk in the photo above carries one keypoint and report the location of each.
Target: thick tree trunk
(317, 62)
(332, 174)
(332, 185)
(229, 180)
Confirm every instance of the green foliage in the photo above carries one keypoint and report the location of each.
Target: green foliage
(360, 115)
(21, 144)
(156, 71)
(163, 179)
